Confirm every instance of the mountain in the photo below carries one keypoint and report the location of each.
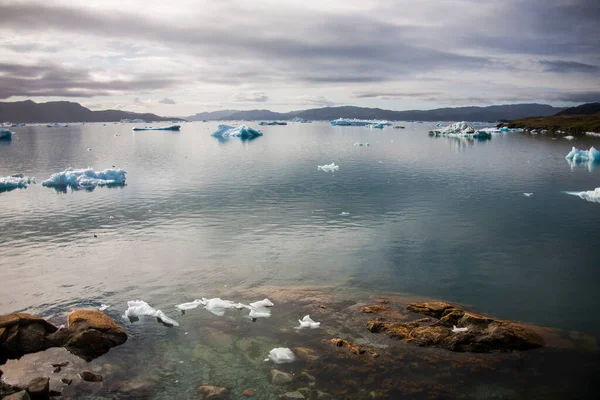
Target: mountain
(490, 113)
(211, 115)
(65, 111)
(584, 109)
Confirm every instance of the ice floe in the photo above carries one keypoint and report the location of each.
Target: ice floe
(271, 123)
(328, 167)
(16, 181)
(132, 121)
(569, 137)
(103, 307)
(344, 213)
(592, 155)
(301, 120)
(463, 129)
(376, 126)
(160, 128)
(357, 122)
(218, 306)
(527, 194)
(242, 132)
(590, 195)
(86, 178)
(308, 323)
(262, 303)
(5, 134)
(190, 306)
(138, 308)
(456, 329)
(281, 355)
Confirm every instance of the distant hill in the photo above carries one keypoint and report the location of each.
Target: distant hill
(491, 113)
(211, 115)
(584, 109)
(65, 111)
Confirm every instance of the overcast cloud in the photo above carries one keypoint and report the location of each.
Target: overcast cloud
(292, 54)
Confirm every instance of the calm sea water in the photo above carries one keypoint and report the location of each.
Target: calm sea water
(437, 217)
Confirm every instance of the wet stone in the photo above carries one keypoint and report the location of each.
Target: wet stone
(249, 392)
(280, 378)
(89, 376)
(292, 396)
(212, 392)
(22, 395)
(39, 388)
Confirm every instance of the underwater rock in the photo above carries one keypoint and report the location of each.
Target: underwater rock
(291, 396)
(212, 392)
(248, 392)
(22, 395)
(39, 388)
(376, 309)
(66, 381)
(354, 348)
(89, 376)
(279, 378)
(305, 354)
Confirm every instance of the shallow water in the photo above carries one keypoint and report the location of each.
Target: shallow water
(435, 217)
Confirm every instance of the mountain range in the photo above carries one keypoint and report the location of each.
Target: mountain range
(65, 111)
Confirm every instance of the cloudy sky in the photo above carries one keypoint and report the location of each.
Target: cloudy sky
(181, 57)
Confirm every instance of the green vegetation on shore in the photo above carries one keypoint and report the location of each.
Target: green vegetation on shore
(571, 124)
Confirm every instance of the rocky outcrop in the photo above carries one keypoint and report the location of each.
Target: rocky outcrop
(39, 389)
(476, 333)
(89, 334)
(212, 392)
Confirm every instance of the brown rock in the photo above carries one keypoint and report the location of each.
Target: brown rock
(249, 392)
(474, 319)
(452, 318)
(138, 388)
(212, 392)
(292, 396)
(354, 348)
(39, 389)
(66, 381)
(305, 354)
(22, 395)
(55, 393)
(280, 378)
(376, 309)
(93, 333)
(428, 335)
(396, 330)
(434, 309)
(89, 376)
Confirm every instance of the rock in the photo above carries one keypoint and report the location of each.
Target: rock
(428, 335)
(139, 388)
(376, 309)
(22, 395)
(306, 392)
(396, 330)
(212, 392)
(1, 373)
(305, 354)
(21, 334)
(66, 381)
(39, 388)
(323, 395)
(6, 389)
(89, 376)
(291, 396)
(354, 348)
(55, 393)
(280, 378)
(61, 364)
(249, 392)
(434, 309)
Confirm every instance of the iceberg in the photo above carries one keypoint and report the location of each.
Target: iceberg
(138, 308)
(281, 355)
(271, 123)
(594, 134)
(308, 323)
(86, 178)
(218, 306)
(57, 125)
(160, 128)
(527, 194)
(328, 167)
(455, 128)
(16, 181)
(576, 156)
(262, 303)
(242, 131)
(376, 126)
(456, 329)
(190, 306)
(132, 121)
(5, 134)
(358, 122)
(590, 195)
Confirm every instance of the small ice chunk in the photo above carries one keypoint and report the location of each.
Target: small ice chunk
(103, 307)
(138, 308)
(568, 137)
(376, 126)
(527, 194)
(160, 128)
(259, 312)
(328, 167)
(358, 144)
(281, 355)
(345, 213)
(89, 149)
(190, 306)
(308, 323)
(218, 306)
(456, 329)
(86, 178)
(262, 303)
(590, 195)
(16, 181)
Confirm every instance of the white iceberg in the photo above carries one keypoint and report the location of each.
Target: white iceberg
(134, 121)
(357, 122)
(5, 134)
(590, 195)
(281, 355)
(308, 323)
(459, 129)
(103, 307)
(138, 308)
(527, 194)
(190, 306)
(86, 178)
(218, 306)
(242, 131)
(575, 155)
(16, 181)
(262, 303)
(456, 329)
(328, 167)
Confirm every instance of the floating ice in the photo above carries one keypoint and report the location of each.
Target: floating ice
(357, 122)
(527, 194)
(138, 308)
(57, 125)
(86, 178)
(218, 306)
(281, 355)
(308, 323)
(328, 167)
(134, 121)
(591, 195)
(595, 134)
(5, 134)
(271, 123)
(301, 120)
(160, 128)
(242, 131)
(344, 213)
(103, 307)
(189, 306)
(259, 312)
(262, 303)
(568, 137)
(592, 155)
(456, 329)
(16, 181)
(376, 126)
(458, 128)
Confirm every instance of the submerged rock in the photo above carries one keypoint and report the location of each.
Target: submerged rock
(89, 376)
(248, 392)
(292, 396)
(376, 309)
(280, 378)
(354, 348)
(39, 389)
(22, 395)
(212, 392)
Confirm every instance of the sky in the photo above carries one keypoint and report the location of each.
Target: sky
(181, 57)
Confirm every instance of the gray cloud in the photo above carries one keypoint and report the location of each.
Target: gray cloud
(166, 100)
(257, 97)
(394, 95)
(579, 97)
(568, 66)
(315, 100)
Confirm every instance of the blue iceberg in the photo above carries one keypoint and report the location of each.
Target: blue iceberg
(590, 195)
(357, 122)
(301, 120)
(242, 131)
(16, 181)
(160, 128)
(377, 126)
(575, 155)
(86, 178)
(5, 134)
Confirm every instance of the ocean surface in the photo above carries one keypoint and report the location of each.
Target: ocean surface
(440, 218)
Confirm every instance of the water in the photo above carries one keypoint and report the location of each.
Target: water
(434, 217)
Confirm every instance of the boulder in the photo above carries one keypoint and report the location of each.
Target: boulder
(280, 378)
(292, 396)
(89, 376)
(39, 388)
(22, 395)
(396, 330)
(22, 333)
(212, 392)
(248, 392)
